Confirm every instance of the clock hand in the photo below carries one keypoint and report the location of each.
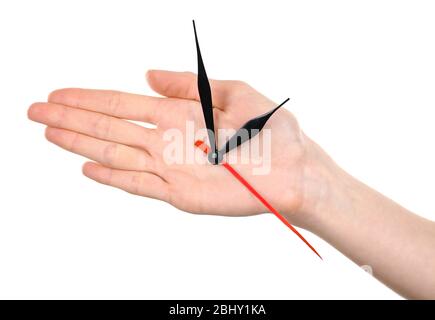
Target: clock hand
(202, 146)
(206, 102)
(247, 131)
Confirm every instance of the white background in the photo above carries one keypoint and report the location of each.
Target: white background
(361, 76)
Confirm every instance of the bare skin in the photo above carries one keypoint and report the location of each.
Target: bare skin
(313, 192)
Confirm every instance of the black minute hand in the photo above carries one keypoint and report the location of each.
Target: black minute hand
(206, 102)
(248, 130)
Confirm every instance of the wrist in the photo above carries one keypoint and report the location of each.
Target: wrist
(324, 188)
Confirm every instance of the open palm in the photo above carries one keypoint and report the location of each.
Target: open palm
(93, 123)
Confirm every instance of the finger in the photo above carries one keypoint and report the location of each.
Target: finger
(139, 183)
(94, 124)
(115, 103)
(110, 154)
(184, 85)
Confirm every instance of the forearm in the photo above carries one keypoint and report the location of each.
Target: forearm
(373, 230)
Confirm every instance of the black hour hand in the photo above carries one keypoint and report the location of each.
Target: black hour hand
(247, 131)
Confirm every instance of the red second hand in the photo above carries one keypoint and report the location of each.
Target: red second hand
(201, 145)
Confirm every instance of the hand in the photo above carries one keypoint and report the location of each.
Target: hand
(304, 183)
(130, 157)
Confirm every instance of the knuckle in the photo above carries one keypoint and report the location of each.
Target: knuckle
(155, 166)
(114, 101)
(110, 154)
(59, 116)
(135, 183)
(74, 142)
(144, 162)
(147, 141)
(141, 161)
(102, 127)
(108, 177)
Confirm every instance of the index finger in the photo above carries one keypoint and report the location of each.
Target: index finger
(115, 103)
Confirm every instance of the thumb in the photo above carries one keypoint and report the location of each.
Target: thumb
(184, 85)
